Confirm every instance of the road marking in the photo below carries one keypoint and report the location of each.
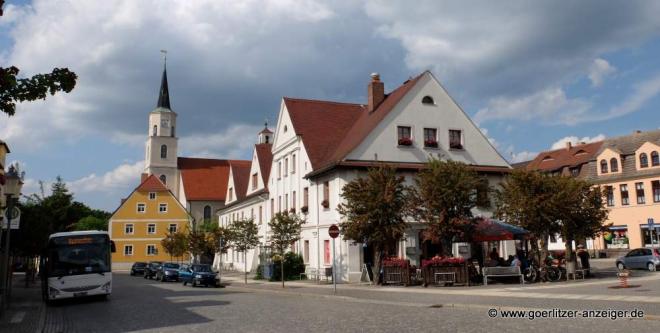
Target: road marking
(17, 317)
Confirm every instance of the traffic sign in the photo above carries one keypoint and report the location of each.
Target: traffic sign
(333, 231)
(15, 218)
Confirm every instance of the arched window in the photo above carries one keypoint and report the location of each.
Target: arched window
(154, 132)
(163, 151)
(643, 160)
(173, 134)
(655, 160)
(428, 100)
(207, 213)
(603, 166)
(163, 179)
(614, 165)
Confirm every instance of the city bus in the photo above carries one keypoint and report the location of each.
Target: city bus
(76, 264)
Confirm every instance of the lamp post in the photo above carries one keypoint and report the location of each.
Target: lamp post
(13, 184)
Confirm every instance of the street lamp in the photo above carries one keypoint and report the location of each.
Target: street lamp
(13, 185)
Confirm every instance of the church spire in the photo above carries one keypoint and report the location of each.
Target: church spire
(164, 94)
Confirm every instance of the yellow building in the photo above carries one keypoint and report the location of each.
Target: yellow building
(142, 220)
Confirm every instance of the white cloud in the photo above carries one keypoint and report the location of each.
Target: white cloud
(642, 93)
(551, 105)
(120, 178)
(599, 70)
(522, 156)
(235, 142)
(561, 143)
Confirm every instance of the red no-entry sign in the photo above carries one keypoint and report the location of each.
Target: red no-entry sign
(333, 231)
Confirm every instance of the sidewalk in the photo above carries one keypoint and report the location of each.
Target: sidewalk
(27, 312)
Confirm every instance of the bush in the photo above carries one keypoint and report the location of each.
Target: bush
(293, 266)
(259, 275)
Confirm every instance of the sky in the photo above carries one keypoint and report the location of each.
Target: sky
(532, 75)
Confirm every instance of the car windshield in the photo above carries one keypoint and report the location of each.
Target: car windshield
(201, 268)
(171, 265)
(139, 264)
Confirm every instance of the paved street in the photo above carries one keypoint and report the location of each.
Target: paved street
(149, 306)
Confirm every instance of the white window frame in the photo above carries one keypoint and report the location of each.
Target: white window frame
(132, 229)
(126, 246)
(152, 195)
(462, 138)
(160, 208)
(149, 226)
(154, 247)
(144, 207)
(176, 227)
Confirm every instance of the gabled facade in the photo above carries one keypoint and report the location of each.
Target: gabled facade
(142, 220)
(320, 146)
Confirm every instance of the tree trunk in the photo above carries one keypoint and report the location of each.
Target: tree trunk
(245, 267)
(378, 259)
(282, 269)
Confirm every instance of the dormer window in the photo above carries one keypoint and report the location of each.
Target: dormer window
(614, 165)
(603, 166)
(547, 158)
(655, 160)
(643, 160)
(428, 100)
(580, 152)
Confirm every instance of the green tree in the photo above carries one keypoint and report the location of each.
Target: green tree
(245, 236)
(373, 211)
(285, 229)
(444, 195)
(175, 244)
(91, 223)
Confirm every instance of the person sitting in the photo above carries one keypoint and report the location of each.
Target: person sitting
(516, 262)
(494, 255)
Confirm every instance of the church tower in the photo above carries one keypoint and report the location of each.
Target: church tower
(161, 147)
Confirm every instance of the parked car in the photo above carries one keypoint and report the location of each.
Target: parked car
(168, 271)
(138, 268)
(640, 258)
(199, 274)
(151, 269)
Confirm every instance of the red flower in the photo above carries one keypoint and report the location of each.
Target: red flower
(443, 261)
(431, 143)
(405, 142)
(395, 262)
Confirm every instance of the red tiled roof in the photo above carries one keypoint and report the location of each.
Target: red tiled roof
(203, 178)
(564, 157)
(265, 156)
(241, 174)
(151, 184)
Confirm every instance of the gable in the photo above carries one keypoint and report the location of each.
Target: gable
(381, 143)
(284, 131)
(128, 208)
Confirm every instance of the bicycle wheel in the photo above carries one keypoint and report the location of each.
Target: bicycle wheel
(554, 274)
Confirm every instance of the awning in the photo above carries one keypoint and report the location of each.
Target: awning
(486, 230)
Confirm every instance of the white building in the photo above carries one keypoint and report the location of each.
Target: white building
(319, 146)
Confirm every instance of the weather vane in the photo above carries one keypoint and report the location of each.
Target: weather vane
(164, 52)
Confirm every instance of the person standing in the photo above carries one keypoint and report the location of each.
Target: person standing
(584, 259)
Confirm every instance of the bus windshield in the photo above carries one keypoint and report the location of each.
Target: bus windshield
(76, 255)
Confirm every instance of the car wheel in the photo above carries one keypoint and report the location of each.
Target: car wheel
(194, 283)
(651, 267)
(132, 274)
(185, 283)
(620, 266)
(145, 276)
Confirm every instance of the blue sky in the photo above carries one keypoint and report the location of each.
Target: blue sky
(532, 76)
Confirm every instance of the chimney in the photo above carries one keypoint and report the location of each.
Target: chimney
(637, 132)
(376, 92)
(569, 145)
(143, 177)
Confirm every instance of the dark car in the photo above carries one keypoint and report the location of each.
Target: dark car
(642, 258)
(151, 269)
(138, 268)
(168, 271)
(199, 274)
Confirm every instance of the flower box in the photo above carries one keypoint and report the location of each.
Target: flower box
(396, 271)
(405, 142)
(455, 265)
(431, 143)
(325, 204)
(292, 210)
(304, 209)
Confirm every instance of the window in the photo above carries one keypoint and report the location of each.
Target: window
(603, 166)
(272, 206)
(306, 252)
(293, 200)
(286, 201)
(255, 180)
(293, 163)
(154, 132)
(326, 195)
(655, 160)
(151, 228)
(625, 200)
(152, 195)
(128, 229)
(404, 134)
(162, 208)
(305, 196)
(643, 160)
(128, 250)
(151, 250)
(639, 188)
(286, 166)
(614, 165)
(261, 214)
(141, 207)
(431, 137)
(163, 151)
(230, 194)
(279, 170)
(655, 186)
(279, 203)
(616, 237)
(326, 252)
(428, 100)
(172, 227)
(163, 179)
(610, 195)
(575, 171)
(207, 213)
(455, 139)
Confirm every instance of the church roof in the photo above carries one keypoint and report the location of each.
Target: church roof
(164, 93)
(204, 178)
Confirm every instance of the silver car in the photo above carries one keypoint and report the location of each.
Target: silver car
(639, 258)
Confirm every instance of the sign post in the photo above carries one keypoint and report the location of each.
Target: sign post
(333, 231)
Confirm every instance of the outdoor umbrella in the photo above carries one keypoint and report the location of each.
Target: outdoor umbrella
(487, 230)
